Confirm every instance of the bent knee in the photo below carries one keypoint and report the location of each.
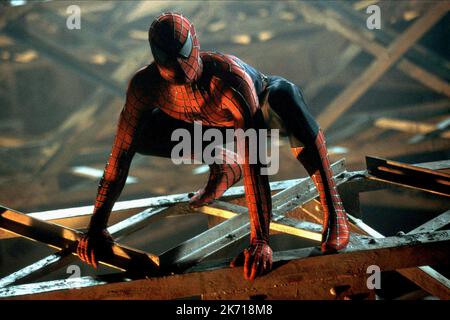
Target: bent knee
(286, 99)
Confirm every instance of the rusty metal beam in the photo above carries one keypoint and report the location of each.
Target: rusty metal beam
(289, 199)
(283, 199)
(360, 183)
(304, 269)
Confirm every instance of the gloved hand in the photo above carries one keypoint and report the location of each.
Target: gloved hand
(257, 259)
(92, 244)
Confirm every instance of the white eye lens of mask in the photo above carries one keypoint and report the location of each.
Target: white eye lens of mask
(186, 49)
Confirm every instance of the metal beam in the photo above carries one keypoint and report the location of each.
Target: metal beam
(135, 222)
(302, 196)
(194, 250)
(304, 269)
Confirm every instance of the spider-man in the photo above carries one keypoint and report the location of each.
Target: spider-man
(184, 85)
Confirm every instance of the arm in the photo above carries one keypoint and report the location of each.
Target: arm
(118, 165)
(241, 100)
(116, 170)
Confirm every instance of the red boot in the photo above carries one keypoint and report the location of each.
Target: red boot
(221, 177)
(314, 157)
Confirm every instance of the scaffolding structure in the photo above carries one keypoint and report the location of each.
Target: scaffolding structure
(185, 270)
(302, 273)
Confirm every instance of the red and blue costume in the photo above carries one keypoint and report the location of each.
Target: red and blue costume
(184, 85)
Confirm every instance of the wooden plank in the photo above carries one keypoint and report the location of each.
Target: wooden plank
(158, 201)
(397, 148)
(381, 64)
(290, 226)
(64, 257)
(410, 176)
(235, 229)
(429, 280)
(439, 130)
(435, 165)
(305, 191)
(120, 206)
(336, 23)
(418, 53)
(417, 127)
(36, 269)
(60, 237)
(79, 128)
(424, 276)
(434, 224)
(304, 270)
(65, 59)
(425, 77)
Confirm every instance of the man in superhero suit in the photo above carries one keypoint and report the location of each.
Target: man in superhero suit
(184, 85)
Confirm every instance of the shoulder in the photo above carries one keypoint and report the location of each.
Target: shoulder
(144, 82)
(223, 66)
(229, 74)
